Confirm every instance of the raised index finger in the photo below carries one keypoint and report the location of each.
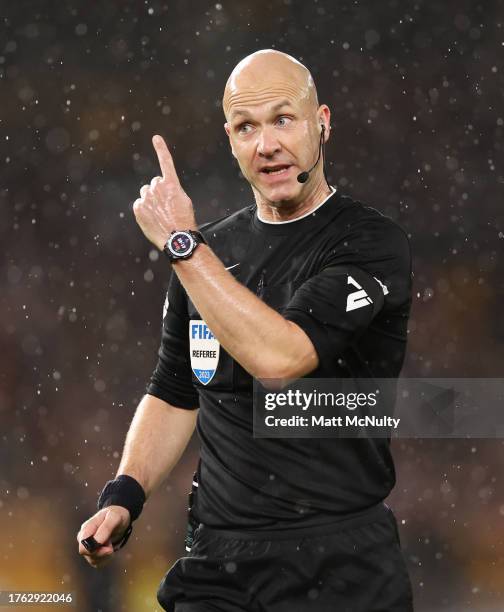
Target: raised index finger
(164, 157)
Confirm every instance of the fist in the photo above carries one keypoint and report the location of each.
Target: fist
(107, 526)
(163, 205)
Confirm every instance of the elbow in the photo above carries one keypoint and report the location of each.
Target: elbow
(275, 377)
(286, 360)
(279, 373)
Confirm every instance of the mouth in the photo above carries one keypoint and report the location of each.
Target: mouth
(278, 170)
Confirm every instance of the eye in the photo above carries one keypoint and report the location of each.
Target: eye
(284, 120)
(244, 128)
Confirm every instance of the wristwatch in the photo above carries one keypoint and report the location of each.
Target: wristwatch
(182, 244)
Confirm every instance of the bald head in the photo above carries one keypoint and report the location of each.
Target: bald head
(274, 125)
(261, 72)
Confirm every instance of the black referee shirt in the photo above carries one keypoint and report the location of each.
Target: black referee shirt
(343, 274)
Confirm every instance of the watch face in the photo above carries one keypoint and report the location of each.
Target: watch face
(180, 244)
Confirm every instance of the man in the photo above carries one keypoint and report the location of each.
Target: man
(281, 524)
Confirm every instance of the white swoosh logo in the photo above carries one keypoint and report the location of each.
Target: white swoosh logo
(231, 267)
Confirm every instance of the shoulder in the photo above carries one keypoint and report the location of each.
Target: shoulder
(371, 241)
(237, 220)
(366, 231)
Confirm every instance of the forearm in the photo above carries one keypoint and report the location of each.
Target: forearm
(156, 439)
(261, 340)
(258, 337)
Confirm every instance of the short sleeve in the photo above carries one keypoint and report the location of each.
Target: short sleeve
(171, 380)
(335, 307)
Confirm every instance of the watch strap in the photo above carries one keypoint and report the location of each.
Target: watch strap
(198, 236)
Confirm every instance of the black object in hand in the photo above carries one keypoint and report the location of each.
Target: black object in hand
(91, 544)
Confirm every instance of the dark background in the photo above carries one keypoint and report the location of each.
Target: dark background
(415, 90)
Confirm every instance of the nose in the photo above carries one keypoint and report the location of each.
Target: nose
(268, 143)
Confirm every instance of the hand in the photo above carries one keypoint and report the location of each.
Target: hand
(163, 206)
(107, 525)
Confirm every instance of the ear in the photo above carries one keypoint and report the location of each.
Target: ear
(324, 118)
(228, 132)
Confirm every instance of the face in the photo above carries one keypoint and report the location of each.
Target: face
(274, 135)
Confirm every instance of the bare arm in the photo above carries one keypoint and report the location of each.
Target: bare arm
(265, 343)
(156, 439)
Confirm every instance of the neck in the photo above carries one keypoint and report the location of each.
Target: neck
(288, 210)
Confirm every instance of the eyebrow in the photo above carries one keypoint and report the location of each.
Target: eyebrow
(246, 113)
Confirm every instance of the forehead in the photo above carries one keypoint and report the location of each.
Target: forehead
(242, 101)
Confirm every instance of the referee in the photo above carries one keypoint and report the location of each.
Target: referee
(275, 525)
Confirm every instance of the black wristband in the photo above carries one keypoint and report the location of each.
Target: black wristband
(123, 491)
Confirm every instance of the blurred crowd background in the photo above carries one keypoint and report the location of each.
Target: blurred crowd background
(416, 93)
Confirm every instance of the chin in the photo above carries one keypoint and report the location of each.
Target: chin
(281, 193)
